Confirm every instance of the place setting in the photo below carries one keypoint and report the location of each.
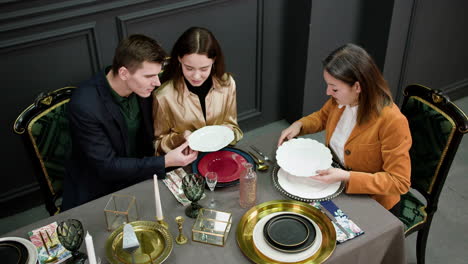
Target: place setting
(285, 231)
(215, 155)
(297, 160)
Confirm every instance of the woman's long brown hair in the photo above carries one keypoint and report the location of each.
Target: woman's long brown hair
(350, 64)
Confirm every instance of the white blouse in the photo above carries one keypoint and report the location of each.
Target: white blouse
(343, 130)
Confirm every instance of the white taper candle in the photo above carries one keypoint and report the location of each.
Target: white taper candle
(90, 248)
(159, 213)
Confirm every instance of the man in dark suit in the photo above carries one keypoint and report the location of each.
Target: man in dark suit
(112, 128)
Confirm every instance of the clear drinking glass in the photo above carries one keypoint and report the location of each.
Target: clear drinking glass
(211, 180)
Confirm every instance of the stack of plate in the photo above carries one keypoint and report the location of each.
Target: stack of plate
(286, 232)
(17, 250)
(289, 233)
(228, 163)
(298, 159)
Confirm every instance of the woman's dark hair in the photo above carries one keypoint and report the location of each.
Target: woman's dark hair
(195, 40)
(134, 50)
(350, 64)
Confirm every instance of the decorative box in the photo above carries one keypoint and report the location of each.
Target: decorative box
(120, 209)
(212, 227)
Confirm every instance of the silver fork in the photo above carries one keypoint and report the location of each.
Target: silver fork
(265, 157)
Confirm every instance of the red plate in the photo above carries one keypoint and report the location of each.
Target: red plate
(228, 165)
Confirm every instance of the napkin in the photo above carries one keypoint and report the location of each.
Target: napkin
(173, 182)
(342, 219)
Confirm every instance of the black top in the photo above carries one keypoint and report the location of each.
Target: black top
(201, 91)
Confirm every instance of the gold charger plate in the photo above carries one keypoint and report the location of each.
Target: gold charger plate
(244, 232)
(155, 244)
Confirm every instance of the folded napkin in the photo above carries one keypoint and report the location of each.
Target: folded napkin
(173, 182)
(342, 219)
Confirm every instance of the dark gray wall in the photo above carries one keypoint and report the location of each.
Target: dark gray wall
(45, 45)
(432, 41)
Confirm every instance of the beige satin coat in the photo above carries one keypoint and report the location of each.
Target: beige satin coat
(376, 153)
(171, 119)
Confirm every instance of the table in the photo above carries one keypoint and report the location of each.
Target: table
(383, 241)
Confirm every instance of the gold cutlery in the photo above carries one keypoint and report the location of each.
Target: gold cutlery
(265, 157)
(261, 166)
(54, 244)
(50, 258)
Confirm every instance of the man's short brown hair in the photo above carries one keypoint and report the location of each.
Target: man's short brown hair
(134, 50)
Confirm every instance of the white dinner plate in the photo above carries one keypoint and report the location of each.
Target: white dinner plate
(268, 251)
(305, 187)
(210, 138)
(32, 251)
(303, 156)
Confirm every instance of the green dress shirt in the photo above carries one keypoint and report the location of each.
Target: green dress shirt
(130, 109)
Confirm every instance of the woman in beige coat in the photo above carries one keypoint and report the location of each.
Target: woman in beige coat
(366, 131)
(197, 91)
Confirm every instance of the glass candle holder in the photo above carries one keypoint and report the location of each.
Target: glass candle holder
(212, 227)
(120, 209)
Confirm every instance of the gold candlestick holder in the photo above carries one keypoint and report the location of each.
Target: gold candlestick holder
(181, 239)
(162, 222)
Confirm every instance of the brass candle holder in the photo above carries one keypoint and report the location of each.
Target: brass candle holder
(181, 239)
(163, 223)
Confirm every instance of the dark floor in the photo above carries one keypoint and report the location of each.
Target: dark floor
(448, 239)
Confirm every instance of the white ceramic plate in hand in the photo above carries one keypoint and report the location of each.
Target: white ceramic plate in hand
(303, 157)
(210, 138)
(305, 187)
(265, 249)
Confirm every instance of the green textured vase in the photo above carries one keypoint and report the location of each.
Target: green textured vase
(194, 187)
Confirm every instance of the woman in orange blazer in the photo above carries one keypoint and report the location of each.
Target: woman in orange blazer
(364, 128)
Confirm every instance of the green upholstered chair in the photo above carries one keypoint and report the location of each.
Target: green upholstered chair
(44, 129)
(437, 126)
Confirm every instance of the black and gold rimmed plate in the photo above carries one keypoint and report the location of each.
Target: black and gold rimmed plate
(246, 226)
(16, 246)
(155, 244)
(289, 233)
(13, 252)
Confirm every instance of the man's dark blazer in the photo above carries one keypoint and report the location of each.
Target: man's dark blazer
(100, 164)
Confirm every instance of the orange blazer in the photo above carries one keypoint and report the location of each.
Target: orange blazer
(376, 153)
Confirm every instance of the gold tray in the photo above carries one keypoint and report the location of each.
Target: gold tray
(155, 244)
(244, 232)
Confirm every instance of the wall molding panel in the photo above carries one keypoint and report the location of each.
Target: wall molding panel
(69, 14)
(457, 89)
(407, 49)
(148, 14)
(151, 15)
(43, 9)
(87, 30)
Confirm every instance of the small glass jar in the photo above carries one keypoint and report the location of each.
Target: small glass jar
(248, 187)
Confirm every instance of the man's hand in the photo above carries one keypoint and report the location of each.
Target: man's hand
(293, 130)
(331, 175)
(180, 156)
